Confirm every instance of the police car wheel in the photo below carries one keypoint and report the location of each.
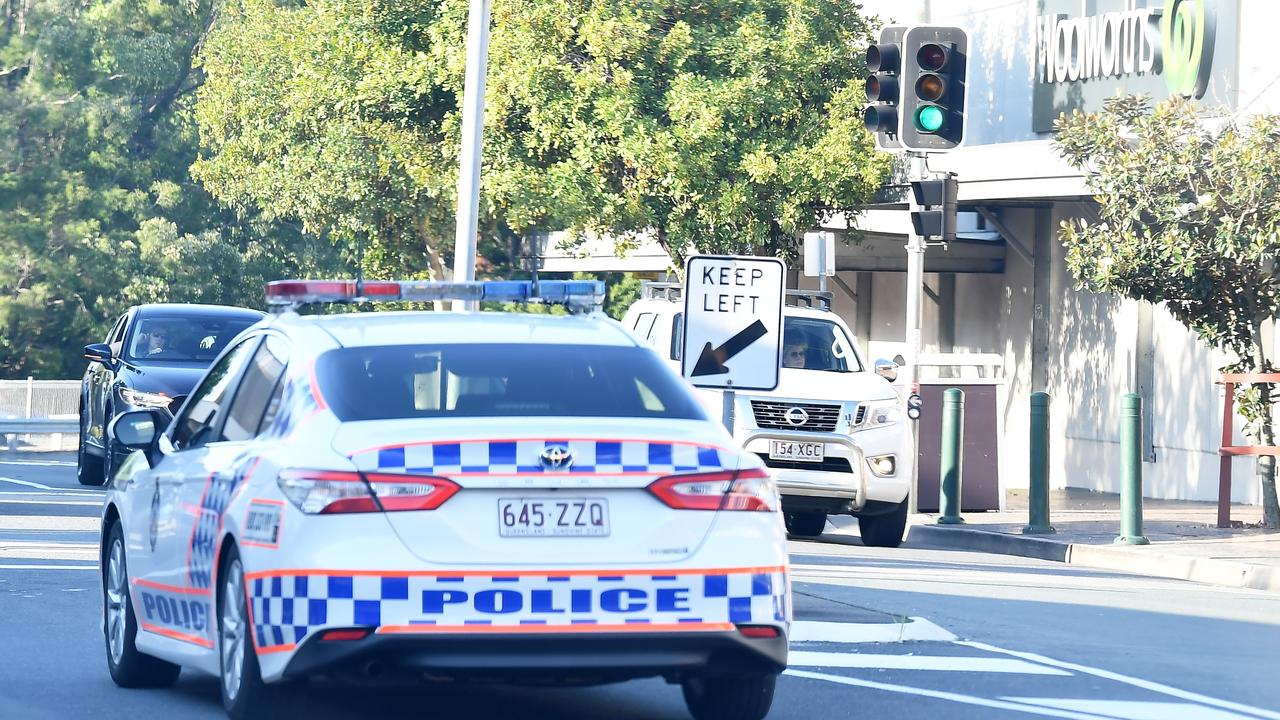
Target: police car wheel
(884, 530)
(729, 697)
(244, 694)
(129, 668)
(808, 523)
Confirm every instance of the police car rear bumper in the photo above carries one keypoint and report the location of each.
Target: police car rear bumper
(552, 658)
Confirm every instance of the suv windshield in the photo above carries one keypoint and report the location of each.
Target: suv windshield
(493, 380)
(814, 344)
(177, 338)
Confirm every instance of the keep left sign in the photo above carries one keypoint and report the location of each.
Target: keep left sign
(733, 321)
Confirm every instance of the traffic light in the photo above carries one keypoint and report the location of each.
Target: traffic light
(934, 59)
(884, 62)
(940, 196)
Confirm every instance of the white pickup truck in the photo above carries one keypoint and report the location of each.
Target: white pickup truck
(833, 431)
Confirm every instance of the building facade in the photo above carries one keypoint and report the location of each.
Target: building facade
(1003, 287)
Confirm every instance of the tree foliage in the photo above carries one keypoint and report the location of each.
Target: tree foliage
(1189, 216)
(97, 208)
(732, 125)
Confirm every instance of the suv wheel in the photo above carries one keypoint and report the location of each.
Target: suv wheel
(805, 523)
(730, 697)
(89, 469)
(885, 529)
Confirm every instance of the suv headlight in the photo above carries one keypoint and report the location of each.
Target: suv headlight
(879, 414)
(140, 399)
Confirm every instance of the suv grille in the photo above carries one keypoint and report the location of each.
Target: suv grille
(773, 416)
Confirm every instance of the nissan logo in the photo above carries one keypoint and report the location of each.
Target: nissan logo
(556, 457)
(797, 416)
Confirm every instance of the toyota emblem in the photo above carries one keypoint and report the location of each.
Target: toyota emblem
(557, 457)
(797, 416)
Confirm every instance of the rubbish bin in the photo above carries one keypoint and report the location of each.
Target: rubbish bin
(980, 464)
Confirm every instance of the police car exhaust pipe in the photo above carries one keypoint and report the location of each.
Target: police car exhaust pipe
(373, 669)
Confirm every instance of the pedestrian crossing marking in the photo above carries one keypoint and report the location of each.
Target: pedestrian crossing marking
(1134, 710)
(944, 663)
(915, 629)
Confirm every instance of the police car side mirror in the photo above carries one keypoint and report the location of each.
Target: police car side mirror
(887, 369)
(136, 430)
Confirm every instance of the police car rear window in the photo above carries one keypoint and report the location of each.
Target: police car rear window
(501, 380)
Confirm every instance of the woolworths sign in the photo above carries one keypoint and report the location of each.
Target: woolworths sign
(1159, 48)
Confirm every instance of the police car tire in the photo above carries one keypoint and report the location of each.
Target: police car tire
(807, 523)
(729, 697)
(884, 530)
(255, 699)
(135, 669)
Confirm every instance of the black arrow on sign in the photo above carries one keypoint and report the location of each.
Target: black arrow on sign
(712, 362)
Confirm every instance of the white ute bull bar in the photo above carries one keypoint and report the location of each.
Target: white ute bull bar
(858, 461)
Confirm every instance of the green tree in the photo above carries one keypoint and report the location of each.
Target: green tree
(97, 208)
(1189, 218)
(730, 125)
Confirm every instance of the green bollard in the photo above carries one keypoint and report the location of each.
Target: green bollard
(1038, 506)
(952, 456)
(1131, 469)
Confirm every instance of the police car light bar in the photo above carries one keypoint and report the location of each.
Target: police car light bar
(576, 294)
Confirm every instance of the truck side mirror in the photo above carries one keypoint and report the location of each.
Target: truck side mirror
(887, 369)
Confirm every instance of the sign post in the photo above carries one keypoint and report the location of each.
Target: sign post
(733, 324)
(820, 256)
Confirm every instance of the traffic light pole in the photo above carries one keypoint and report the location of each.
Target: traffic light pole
(464, 241)
(915, 296)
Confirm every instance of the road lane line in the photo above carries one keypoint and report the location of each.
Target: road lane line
(62, 503)
(944, 663)
(918, 629)
(39, 463)
(1128, 680)
(56, 523)
(950, 696)
(27, 483)
(1133, 709)
(47, 567)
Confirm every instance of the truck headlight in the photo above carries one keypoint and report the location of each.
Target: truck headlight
(140, 399)
(879, 415)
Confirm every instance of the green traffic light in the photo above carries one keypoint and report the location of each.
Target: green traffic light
(929, 118)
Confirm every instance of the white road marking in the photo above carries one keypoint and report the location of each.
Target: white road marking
(27, 483)
(945, 663)
(916, 629)
(40, 463)
(1134, 710)
(950, 696)
(79, 503)
(48, 567)
(48, 522)
(1136, 682)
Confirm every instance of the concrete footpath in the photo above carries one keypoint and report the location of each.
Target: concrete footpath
(1185, 544)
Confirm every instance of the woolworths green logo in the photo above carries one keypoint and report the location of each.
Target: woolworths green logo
(1187, 28)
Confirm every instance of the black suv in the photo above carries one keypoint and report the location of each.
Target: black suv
(152, 358)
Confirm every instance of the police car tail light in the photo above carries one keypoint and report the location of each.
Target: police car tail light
(326, 492)
(410, 492)
(750, 489)
(759, 631)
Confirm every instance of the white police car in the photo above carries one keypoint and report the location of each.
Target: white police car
(416, 494)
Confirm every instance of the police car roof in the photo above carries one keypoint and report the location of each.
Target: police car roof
(407, 327)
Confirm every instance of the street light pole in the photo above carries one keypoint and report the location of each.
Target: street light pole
(464, 260)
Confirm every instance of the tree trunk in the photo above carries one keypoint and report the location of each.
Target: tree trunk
(1266, 464)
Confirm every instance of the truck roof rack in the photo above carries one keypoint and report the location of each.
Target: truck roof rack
(816, 299)
(674, 292)
(654, 290)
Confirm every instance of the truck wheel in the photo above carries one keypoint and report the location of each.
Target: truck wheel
(805, 523)
(732, 697)
(885, 529)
